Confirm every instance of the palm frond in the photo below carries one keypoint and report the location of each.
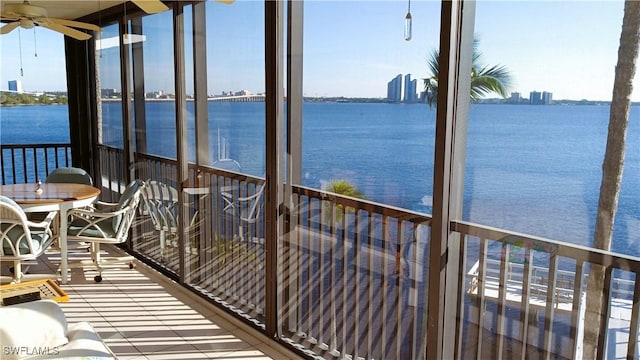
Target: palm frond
(434, 63)
(495, 79)
(431, 83)
(484, 79)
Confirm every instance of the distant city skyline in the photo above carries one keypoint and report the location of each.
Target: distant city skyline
(550, 45)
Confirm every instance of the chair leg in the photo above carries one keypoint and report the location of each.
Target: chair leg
(98, 262)
(17, 272)
(163, 244)
(96, 250)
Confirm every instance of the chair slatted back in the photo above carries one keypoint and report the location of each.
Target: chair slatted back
(161, 204)
(128, 201)
(15, 235)
(69, 175)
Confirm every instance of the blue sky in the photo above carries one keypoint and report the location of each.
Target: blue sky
(353, 48)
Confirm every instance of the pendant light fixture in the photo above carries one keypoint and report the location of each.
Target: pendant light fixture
(407, 23)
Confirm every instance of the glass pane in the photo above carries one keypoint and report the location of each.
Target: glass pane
(154, 125)
(535, 165)
(534, 160)
(235, 69)
(159, 84)
(355, 271)
(226, 243)
(189, 78)
(33, 72)
(110, 85)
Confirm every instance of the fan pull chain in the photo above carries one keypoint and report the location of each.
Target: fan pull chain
(20, 51)
(35, 42)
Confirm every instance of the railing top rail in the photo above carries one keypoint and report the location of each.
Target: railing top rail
(152, 157)
(554, 247)
(29, 146)
(228, 174)
(361, 204)
(109, 147)
(204, 168)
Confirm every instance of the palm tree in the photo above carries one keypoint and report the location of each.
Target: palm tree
(484, 79)
(612, 168)
(346, 188)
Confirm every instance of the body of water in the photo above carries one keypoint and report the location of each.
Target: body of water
(533, 169)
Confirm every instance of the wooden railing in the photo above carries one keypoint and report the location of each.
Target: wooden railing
(525, 297)
(354, 277)
(345, 263)
(352, 274)
(26, 163)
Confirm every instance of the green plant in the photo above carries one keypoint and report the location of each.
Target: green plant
(485, 79)
(345, 188)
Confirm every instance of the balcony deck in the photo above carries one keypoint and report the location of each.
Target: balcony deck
(141, 314)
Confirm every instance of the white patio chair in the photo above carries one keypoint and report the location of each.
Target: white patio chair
(23, 240)
(108, 223)
(64, 175)
(227, 190)
(247, 209)
(69, 175)
(160, 203)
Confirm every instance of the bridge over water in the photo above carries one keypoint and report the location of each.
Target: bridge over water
(239, 98)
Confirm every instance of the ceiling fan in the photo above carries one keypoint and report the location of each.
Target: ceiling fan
(150, 6)
(156, 6)
(27, 16)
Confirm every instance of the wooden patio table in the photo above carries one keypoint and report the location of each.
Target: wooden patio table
(58, 197)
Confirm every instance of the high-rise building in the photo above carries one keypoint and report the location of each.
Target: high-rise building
(394, 89)
(515, 98)
(15, 85)
(410, 87)
(535, 98)
(414, 90)
(547, 98)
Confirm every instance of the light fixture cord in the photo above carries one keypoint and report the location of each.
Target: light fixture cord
(409, 8)
(20, 51)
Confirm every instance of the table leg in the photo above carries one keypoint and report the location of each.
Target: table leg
(64, 263)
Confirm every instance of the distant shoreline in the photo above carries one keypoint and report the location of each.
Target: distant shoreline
(366, 100)
(340, 99)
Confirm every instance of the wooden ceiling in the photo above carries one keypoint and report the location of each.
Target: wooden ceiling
(69, 9)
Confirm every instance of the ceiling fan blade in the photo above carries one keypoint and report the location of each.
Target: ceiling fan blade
(76, 34)
(151, 6)
(9, 16)
(76, 24)
(9, 27)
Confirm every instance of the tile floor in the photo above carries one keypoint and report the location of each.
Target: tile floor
(142, 315)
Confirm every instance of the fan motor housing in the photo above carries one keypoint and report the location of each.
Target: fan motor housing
(25, 10)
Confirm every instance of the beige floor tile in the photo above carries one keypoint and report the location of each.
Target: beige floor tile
(142, 315)
(273, 353)
(253, 354)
